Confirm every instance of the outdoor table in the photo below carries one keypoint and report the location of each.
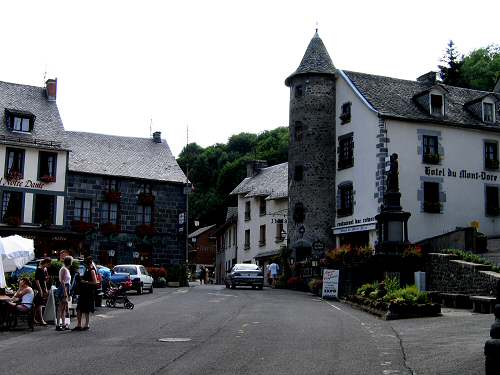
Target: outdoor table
(3, 310)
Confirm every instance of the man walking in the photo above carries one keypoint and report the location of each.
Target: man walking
(273, 270)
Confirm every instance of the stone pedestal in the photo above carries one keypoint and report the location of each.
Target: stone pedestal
(492, 346)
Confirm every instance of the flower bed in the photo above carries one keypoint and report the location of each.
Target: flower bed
(394, 302)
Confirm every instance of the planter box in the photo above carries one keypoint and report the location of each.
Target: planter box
(173, 284)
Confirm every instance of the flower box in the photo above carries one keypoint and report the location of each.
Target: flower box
(113, 196)
(81, 226)
(431, 158)
(48, 179)
(12, 220)
(108, 229)
(145, 230)
(491, 164)
(14, 176)
(146, 199)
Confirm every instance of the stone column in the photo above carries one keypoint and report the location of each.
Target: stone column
(492, 346)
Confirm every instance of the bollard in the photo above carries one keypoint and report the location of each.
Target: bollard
(492, 346)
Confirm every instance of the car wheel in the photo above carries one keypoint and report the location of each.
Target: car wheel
(151, 289)
(227, 285)
(140, 290)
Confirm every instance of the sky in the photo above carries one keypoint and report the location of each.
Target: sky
(216, 67)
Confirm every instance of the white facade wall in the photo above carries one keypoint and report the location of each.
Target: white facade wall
(275, 209)
(364, 126)
(464, 198)
(230, 245)
(30, 185)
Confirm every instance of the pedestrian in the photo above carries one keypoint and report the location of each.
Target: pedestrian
(273, 270)
(203, 274)
(41, 276)
(85, 306)
(63, 294)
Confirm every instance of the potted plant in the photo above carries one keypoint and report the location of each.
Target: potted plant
(48, 178)
(12, 220)
(431, 158)
(14, 175)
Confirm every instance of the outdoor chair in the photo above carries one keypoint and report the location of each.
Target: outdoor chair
(28, 316)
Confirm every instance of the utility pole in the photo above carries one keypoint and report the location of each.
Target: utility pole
(186, 191)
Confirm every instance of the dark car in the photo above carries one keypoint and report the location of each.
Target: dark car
(245, 274)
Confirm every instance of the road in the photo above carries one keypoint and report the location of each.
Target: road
(213, 330)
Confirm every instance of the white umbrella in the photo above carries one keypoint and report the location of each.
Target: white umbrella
(15, 252)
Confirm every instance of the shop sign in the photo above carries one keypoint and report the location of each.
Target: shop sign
(356, 228)
(366, 220)
(22, 183)
(331, 283)
(462, 174)
(318, 245)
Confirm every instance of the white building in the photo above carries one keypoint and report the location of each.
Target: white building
(227, 245)
(262, 212)
(33, 171)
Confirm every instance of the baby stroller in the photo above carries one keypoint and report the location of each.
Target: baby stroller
(117, 294)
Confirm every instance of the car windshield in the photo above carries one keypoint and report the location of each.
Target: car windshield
(246, 267)
(125, 269)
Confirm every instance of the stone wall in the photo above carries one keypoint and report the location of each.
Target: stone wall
(166, 246)
(445, 273)
(462, 239)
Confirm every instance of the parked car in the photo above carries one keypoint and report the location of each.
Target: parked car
(138, 275)
(245, 274)
(25, 270)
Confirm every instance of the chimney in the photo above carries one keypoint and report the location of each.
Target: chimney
(51, 89)
(429, 78)
(157, 137)
(254, 167)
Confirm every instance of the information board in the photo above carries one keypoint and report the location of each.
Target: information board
(331, 283)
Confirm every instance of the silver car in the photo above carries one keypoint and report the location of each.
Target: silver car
(245, 274)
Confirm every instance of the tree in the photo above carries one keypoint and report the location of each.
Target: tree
(450, 73)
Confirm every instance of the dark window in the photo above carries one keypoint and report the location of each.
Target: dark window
(44, 209)
(82, 210)
(279, 230)
(431, 197)
(488, 112)
(299, 91)
(247, 239)
(20, 122)
(247, 210)
(436, 105)
(299, 212)
(345, 115)
(346, 152)
(262, 206)
(47, 166)
(491, 155)
(345, 200)
(262, 237)
(12, 203)
(492, 208)
(298, 174)
(113, 185)
(298, 131)
(109, 213)
(430, 149)
(14, 163)
(146, 188)
(144, 214)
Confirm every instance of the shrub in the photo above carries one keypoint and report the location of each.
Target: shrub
(408, 295)
(157, 272)
(161, 282)
(469, 257)
(392, 284)
(315, 286)
(366, 289)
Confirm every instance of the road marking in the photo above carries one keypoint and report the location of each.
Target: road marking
(223, 295)
(255, 322)
(386, 372)
(104, 316)
(174, 339)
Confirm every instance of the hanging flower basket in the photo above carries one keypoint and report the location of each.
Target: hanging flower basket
(13, 221)
(108, 229)
(432, 158)
(146, 199)
(14, 176)
(145, 230)
(113, 196)
(81, 226)
(48, 179)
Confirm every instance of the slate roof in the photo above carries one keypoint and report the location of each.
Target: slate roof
(122, 156)
(270, 182)
(316, 60)
(48, 129)
(393, 97)
(232, 213)
(197, 232)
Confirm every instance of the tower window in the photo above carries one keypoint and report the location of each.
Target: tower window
(299, 91)
(345, 115)
(298, 131)
(488, 112)
(298, 174)
(437, 105)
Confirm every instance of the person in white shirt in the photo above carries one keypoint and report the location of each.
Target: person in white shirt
(273, 271)
(63, 294)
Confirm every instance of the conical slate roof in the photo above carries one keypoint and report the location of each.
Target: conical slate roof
(315, 60)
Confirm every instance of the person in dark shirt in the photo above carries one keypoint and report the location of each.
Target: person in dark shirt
(41, 288)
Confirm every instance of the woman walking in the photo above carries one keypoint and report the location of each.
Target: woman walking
(41, 277)
(85, 306)
(63, 294)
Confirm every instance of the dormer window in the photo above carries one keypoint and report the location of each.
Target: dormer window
(19, 121)
(437, 105)
(488, 112)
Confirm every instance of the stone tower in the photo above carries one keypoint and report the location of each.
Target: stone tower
(312, 154)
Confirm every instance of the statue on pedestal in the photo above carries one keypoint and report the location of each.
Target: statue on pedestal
(393, 174)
